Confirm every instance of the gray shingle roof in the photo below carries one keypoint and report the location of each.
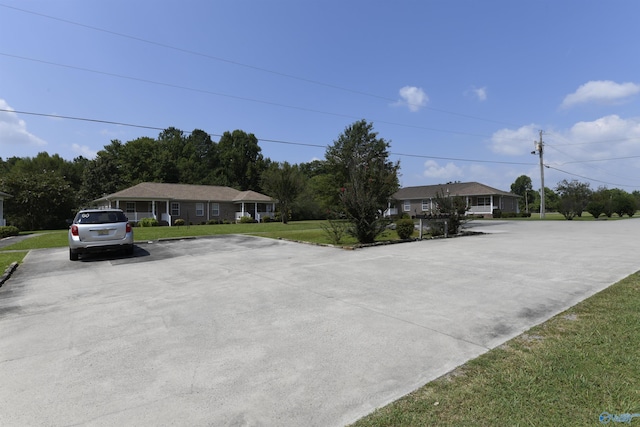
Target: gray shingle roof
(162, 191)
(453, 189)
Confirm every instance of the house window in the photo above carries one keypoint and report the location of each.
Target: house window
(215, 209)
(199, 209)
(425, 205)
(131, 207)
(484, 201)
(406, 206)
(175, 209)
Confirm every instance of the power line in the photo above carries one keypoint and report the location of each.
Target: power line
(209, 92)
(462, 160)
(312, 145)
(591, 179)
(276, 141)
(604, 141)
(240, 64)
(602, 160)
(595, 160)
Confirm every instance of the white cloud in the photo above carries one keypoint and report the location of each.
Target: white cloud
(434, 170)
(514, 142)
(603, 151)
(13, 131)
(84, 151)
(413, 97)
(480, 93)
(600, 91)
(606, 137)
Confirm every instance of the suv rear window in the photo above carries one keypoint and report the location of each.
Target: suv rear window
(106, 217)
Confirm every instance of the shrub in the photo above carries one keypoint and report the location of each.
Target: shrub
(404, 228)
(497, 213)
(213, 222)
(178, 222)
(8, 230)
(246, 220)
(436, 228)
(595, 208)
(335, 229)
(148, 222)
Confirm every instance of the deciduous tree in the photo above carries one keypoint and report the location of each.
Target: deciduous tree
(574, 197)
(522, 187)
(241, 160)
(283, 182)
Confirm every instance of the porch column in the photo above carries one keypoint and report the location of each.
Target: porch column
(168, 213)
(491, 204)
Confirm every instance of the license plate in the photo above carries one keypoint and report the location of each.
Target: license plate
(103, 232)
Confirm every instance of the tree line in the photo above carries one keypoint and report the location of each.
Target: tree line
(572, 198)
(354, 181)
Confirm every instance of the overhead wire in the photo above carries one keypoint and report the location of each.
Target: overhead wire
(277, 141)
(590, 179)
(316, 82)
(209, 92)
(576, 161)
(240, 64)
(57, 116)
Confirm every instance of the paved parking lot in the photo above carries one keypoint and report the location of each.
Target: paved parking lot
(244, 331)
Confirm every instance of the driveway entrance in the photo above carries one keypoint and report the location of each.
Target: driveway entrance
(241, 330)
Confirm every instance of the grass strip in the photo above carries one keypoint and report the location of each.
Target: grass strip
(566, 371)
(7, 258)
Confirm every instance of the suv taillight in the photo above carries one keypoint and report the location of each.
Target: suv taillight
(74, 230)
(128, 227)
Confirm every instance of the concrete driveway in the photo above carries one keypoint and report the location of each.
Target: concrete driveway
(244, 331)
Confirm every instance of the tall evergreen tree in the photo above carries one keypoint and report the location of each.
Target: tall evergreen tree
(365, 177)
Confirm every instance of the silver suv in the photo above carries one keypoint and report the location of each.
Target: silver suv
(94, 230)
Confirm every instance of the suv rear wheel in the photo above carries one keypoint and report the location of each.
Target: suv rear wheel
(73, 255)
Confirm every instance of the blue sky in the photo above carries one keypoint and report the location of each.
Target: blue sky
(460, 89)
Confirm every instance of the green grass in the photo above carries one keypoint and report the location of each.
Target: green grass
(566, 371)
(7, 258)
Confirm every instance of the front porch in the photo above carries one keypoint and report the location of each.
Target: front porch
(256, 210)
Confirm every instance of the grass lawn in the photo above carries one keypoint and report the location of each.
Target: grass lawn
(7, 258)
(567, 371)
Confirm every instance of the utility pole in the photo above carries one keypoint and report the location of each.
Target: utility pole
(539, 149)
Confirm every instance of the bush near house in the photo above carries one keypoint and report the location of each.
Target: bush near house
(8, 230)
(148, 222)
(178, 222)
(404, 228)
